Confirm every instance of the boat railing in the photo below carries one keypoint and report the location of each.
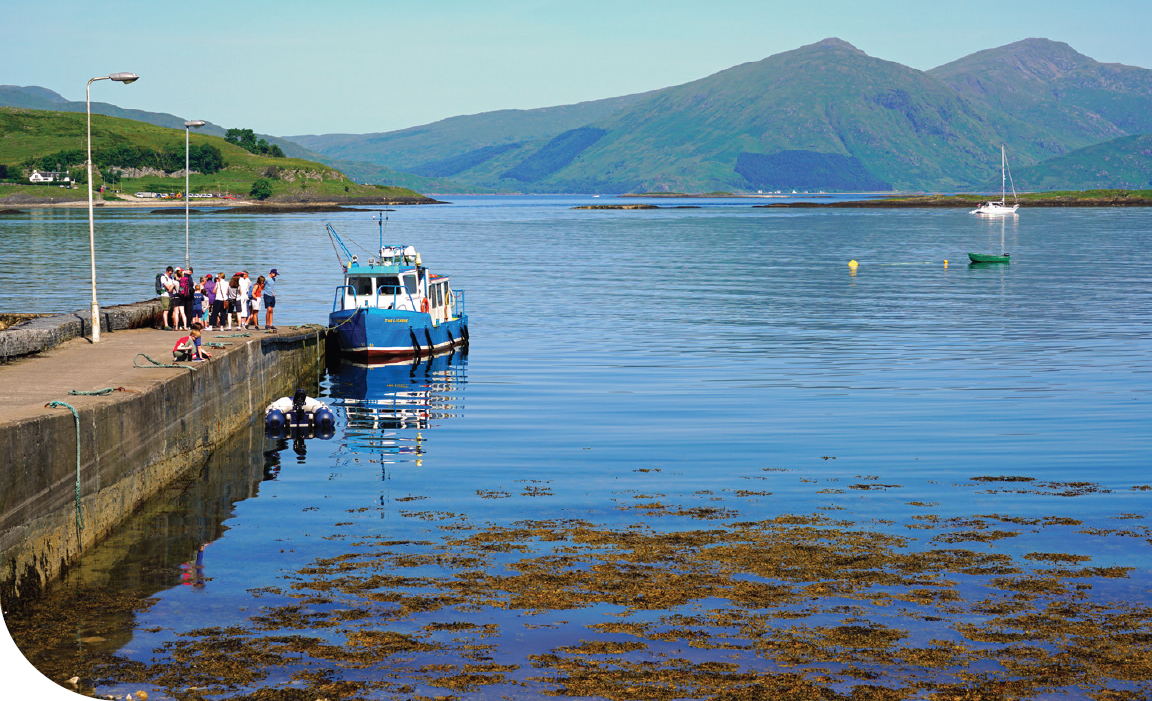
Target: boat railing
(458, 304)
(382, 292)
(341, 296)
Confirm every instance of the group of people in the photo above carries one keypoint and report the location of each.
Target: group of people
(213, 302)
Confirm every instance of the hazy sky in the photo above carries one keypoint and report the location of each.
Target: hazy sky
(286, 67)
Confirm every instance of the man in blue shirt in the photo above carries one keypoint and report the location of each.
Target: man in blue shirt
(269, 299)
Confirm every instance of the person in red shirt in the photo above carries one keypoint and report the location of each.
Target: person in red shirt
(188, 348)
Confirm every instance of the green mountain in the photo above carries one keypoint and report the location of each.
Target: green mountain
(408, 148)
(824, 116)
(1044, 97)
(1124, 163)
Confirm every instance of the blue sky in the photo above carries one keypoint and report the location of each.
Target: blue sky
(289, 67)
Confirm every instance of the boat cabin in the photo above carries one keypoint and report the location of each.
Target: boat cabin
(397, 281)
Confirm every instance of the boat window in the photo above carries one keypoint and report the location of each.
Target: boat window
(439, 295)
(387, 285)
(410, 283)
(362, 285)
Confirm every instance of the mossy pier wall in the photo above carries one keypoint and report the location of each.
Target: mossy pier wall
(132, 444)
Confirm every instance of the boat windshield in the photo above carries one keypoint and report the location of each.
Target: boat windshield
(362, 285)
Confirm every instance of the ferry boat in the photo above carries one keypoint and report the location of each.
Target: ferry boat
(391, 306)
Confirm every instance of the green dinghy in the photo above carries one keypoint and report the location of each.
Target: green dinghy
(988, 258)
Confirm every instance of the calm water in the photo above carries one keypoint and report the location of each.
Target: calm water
(722, 363)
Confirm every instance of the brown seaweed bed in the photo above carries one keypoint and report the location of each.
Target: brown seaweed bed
(798, 606)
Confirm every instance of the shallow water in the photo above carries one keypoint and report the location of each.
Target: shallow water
(655, 372)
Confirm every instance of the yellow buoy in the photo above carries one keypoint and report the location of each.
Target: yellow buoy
(852, 264)
(945, 262)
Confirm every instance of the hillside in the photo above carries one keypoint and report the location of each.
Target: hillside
(45, 139)
(1124, 163)
(1043, 96)
(37, 98)
(408, 148)
(825, 113)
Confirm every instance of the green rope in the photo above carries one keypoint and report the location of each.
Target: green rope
(93, 393)
(76, 415)
(216, 345)
(319, 327)
(234, 335)
(160, 365)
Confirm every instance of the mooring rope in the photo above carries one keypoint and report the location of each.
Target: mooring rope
(76, 415)
(93, 393)
(233, 335)
(216, 345)
(158, 364)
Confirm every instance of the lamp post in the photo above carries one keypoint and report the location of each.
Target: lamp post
(194, 123)
(119, 78)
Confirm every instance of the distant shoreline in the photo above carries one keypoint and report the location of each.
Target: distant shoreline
(1119, 198)
(13, 205)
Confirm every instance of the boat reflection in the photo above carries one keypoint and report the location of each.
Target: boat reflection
(384, 403)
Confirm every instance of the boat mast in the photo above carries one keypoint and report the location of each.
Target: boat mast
(1003, 201)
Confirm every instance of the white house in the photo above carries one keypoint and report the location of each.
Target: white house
(50, 176)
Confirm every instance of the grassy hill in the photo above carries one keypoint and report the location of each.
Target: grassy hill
(27, 135)
(37, 98)
(825, 113)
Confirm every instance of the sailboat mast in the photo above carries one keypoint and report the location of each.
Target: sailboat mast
(1002, 183)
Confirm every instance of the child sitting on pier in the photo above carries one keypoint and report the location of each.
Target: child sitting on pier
(188, 348)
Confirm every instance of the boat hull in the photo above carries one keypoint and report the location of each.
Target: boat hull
(988, 258)
(380, 334)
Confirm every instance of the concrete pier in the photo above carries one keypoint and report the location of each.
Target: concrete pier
(156, 425)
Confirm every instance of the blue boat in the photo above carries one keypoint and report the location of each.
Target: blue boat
(393, 307)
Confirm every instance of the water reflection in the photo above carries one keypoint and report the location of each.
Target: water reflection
(163, 545)
(384, 402)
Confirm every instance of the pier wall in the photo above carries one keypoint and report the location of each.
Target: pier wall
(43, 332)
(131, 446)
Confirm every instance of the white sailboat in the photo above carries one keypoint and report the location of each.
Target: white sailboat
(1000, 208)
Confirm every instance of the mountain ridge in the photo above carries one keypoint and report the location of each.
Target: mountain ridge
(826, 110)
(918, 130)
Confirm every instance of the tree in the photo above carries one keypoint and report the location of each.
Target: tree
(207, 159)
(172, 158)
(244, 138)
(261, 189)
(276, 151)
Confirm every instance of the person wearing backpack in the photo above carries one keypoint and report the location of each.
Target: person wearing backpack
(164, 286)
(186, 291)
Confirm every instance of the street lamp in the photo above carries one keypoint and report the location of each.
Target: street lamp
(119, 78)
(194, 123)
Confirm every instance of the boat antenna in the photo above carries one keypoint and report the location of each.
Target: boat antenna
(381, 221)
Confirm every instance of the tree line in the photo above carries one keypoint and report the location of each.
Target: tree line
(246, 139)
(205, 159)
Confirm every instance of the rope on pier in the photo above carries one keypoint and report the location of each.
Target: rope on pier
(216, 345)
(158, 364)
(93, 393)
(76, 415)
(233, 335)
